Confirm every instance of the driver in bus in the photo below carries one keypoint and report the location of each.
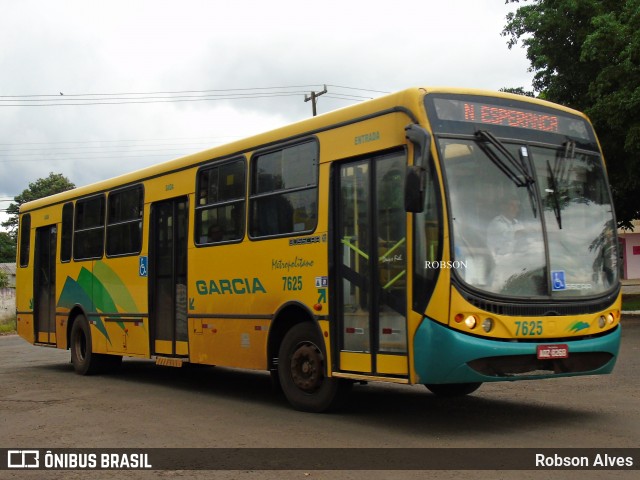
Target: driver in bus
(503, 231)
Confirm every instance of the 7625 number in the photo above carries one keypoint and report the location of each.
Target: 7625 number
(292, 283)
(531, 328)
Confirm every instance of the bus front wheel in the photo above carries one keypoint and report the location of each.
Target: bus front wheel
(453, 389)
(84, 360)
(301, 371)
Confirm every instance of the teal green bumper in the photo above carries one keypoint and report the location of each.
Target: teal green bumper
(444, 355)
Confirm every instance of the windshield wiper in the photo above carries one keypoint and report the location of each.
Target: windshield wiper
(555, 195)
(524, 160)
(516, 171)
(559, 175)
(506, 162)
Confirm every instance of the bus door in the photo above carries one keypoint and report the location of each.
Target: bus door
(44, 285)
(370, 246)
(168, 277)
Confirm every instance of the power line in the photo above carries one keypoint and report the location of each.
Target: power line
(96, 158)
(177, 96)
(144, 100)
(208, 139)
(97, 150)
(137, 148)
(355, 88)
(56, 150)
(161, 93)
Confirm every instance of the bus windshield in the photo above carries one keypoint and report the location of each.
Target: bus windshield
(542, 228)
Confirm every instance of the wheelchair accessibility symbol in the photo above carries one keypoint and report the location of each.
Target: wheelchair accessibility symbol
(143, 269)
(557, 280)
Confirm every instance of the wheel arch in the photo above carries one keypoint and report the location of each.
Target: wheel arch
(75, 312)
(287, 316)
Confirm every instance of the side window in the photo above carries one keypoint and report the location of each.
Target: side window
(124, 222)
(88, 234)
(25, 239)
(220, 209)
(284, 191)
(67, 232)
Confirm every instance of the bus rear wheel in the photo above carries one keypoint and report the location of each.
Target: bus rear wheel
(84, 361)
(453, 389)
(301, 371)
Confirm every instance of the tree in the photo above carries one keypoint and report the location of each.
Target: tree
(7, 248)
(519, 91)
(43, 187)
(586, 54)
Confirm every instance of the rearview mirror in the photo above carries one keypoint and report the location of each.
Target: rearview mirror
(416, 179)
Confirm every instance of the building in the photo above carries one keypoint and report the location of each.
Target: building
(630, 252)
(8, 295)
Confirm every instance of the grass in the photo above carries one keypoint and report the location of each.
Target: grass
(631, 302)
(8, 325)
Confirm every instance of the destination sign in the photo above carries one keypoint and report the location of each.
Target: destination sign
(485, 113)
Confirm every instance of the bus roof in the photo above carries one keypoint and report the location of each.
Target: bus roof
(408, 98)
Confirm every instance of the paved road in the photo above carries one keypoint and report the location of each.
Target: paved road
(43, 404)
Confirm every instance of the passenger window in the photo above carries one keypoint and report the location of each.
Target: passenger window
(284, 193)
(88, 237)
(220, 209)
(124, 222)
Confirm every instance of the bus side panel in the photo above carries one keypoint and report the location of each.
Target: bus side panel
(230, 342)
(121, 292)
(236, 289)
(111, 288)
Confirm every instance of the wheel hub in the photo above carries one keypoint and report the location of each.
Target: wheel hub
(306, 367)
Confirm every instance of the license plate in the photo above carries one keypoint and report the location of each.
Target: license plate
(552, 352)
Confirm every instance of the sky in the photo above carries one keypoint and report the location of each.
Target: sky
(94, 89)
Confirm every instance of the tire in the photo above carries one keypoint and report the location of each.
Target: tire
(301, 371)
(84, 361)
(453, 389)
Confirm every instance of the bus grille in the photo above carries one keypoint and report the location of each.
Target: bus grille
(529, 365)
(539, 309)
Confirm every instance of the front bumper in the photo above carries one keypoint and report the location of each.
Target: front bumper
(444, 355)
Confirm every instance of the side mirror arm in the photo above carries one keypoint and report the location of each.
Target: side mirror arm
(416, 179)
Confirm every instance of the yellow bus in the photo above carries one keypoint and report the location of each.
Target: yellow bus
(436, 236)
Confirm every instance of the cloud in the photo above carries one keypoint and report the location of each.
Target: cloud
(79, 47)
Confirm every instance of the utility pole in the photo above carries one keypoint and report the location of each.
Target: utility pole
(314, 99)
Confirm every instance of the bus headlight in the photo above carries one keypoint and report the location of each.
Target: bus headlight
(471, 322)
(602, 321)
(610, 318)
(487, 325)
